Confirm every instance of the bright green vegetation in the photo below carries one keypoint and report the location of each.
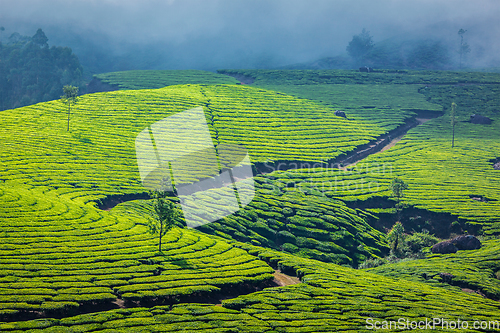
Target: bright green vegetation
(313, 77)
(471, 269)
(441, 179)
(152, 79)
(306, 225)
(331, 298)
(272, 126)
(385, 107)
(276, 127)
(58, 254)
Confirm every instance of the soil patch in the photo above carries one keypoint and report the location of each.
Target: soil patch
(285, 280)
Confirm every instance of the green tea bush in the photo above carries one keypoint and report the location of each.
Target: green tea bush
(420, 240)
(153, 79)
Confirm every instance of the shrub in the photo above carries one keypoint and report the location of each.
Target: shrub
(289, 248)
(286, 236)
(372, 262)
(419, 240)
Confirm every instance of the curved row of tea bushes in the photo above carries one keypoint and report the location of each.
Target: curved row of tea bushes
(331, 298)
(58, 255)
(306, 225)
(338, 76)
(472, 269)
(153, 79)
(459, 181)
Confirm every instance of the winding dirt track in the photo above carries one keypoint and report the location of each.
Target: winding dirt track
(389, 145)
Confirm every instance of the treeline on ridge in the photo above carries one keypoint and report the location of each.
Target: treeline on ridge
(31, 71)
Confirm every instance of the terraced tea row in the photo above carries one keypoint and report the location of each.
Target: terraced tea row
(331, 298)
(58, 255)
(314, 77)
(475, 270)
(99, 151)
(308, 226)
(385, 106)
(460, 181)
(153, 79)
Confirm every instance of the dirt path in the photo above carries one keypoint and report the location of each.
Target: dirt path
(285, 280)
(387, 146)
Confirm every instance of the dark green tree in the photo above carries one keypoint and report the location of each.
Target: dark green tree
(464, 47)
(31, 72)
(360, 45)
(69, 97)
(40, 39)
(2, 29)
(164, 215)
(454, 121)
(397, 187)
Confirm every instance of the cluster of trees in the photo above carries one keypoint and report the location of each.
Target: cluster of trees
(32, 72)
(416, 53)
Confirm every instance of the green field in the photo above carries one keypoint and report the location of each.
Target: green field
(150, 79)
(62, 256)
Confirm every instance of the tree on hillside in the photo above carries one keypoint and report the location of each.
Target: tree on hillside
(2, 29)
(454, 121)
(396, 237)
(464, 47)
(360, 45)
(397, 187)
(69, 97)
(164, 215)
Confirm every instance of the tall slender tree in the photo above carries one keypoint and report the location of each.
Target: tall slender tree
(397, 187)
(69, 97)
(464, 47)
(395, 236)
(454, 121)
(164, 215)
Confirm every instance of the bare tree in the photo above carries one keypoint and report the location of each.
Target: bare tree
(454, 121)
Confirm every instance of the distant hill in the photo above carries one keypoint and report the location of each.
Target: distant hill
(393, 53)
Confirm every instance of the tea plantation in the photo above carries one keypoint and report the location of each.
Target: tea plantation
(331, 298)
(72, 261)
(151, 79)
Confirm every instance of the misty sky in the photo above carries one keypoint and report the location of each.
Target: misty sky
(226, 33)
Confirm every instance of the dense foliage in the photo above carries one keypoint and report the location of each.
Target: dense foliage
(31, 71)
(61, 255)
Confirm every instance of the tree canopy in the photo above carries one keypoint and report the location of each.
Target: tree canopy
(360, 45)
(31, 71)
(164, 215)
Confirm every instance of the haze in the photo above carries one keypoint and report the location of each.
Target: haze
(214, 34)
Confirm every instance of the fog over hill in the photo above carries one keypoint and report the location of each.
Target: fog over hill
(199, 34)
